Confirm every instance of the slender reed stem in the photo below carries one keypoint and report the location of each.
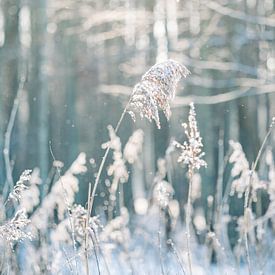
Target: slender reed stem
(101, 252)
(91, 195)
(86, 236)
(94, 247)
(188, 219)
(159, 241)
(177, 256)
(248, 200)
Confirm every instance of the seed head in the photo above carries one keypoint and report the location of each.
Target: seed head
(156, 90)
(191, 150)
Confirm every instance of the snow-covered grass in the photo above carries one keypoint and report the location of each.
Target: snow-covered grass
(161, 234)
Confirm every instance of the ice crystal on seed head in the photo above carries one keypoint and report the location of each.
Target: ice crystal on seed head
(20, 185)
(191, 150)
(156, 90)
(163, 193)
(13, 230)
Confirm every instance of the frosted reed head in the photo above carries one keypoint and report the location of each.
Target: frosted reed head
(156, 90)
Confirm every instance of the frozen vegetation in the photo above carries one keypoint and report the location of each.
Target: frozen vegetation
(163, 233)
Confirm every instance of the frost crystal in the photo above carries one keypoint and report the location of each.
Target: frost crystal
(163, 193)
(13, 230)
(20, 185)
(156, 90)
(191, 150)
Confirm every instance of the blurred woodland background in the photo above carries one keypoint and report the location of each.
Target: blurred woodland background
(69, 66)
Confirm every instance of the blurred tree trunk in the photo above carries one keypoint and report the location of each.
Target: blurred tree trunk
(9, 55)
(38, 90)
(70, 88)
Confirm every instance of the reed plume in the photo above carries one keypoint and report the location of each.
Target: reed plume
(156, 90)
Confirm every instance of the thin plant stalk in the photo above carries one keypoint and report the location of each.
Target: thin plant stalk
(101, 252)
(68, 261)
(246, 213)
(91, 195)
(86, 236)
(188, 219)
(175, 252)
(159, 243)
(94, 248)
(248, 198)
(78, 255)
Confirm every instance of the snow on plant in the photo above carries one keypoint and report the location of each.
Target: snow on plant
(156, 90)
(118, 169)
(271, 176)
(14, 230)
(20, 186)
(30, 196)
(270, 185)
(191, 150)
(242, 174)
(196, 187)
(116, 231)
(163, 191)
(61, 196)
(63, 231)
(133, 147)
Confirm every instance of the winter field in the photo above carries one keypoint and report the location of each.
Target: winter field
(137, 137)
